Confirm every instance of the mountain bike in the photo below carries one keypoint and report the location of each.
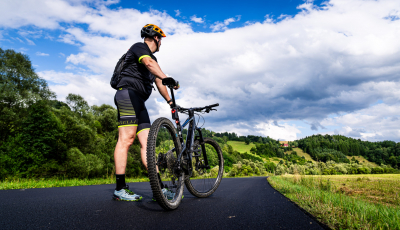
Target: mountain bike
(198, 163)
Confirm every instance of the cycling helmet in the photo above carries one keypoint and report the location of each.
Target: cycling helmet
(151, 30)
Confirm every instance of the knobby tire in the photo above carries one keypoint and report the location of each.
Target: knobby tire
(204, 187)
(152, 158)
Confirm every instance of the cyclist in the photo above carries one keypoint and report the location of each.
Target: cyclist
(139, 72)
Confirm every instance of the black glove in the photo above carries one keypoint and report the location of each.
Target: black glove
(176, 106)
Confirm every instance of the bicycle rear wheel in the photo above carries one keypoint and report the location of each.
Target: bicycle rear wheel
(204, 181)
(163, 148)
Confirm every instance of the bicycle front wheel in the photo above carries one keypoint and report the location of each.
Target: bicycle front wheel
(163, 148)
(205, 181)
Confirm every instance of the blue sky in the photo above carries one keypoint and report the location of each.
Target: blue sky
(285, 69)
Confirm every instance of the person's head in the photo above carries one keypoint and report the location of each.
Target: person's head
(152, 33)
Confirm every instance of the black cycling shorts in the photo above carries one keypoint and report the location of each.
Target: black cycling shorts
(131, 110)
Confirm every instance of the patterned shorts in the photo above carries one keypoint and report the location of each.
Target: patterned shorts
(131, 110)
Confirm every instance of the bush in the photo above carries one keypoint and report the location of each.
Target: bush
(363, 170)
(377, 170)
(280, 169)
(79, 165)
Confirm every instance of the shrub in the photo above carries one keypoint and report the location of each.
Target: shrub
(280, 170)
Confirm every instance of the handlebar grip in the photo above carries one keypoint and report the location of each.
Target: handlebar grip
(170, 82)
(214, 105)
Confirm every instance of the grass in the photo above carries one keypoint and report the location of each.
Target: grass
(301, 153)
(57, 182)
(240, 146)
(346, 201)
(361, 159)
(276, 160)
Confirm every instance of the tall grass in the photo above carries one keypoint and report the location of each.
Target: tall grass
(339, 211)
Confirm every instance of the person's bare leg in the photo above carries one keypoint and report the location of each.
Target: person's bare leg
(125, 140)
(142, 135)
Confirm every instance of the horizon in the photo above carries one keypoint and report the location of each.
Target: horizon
(286, 69)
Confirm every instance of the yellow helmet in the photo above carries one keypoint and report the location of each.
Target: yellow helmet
(151, 30)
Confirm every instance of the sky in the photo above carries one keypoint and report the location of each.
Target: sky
(285, 69)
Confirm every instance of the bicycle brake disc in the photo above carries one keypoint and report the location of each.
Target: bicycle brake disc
(199, 163)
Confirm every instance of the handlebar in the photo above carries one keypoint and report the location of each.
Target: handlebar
(170, 82)
(208, 108)
(214, 105)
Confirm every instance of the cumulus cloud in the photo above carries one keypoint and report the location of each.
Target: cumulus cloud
(196, 19)
(94, 89)
(326, 66)
(177, 13)
(378, 122)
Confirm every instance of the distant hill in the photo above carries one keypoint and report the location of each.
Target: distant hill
(342, 149)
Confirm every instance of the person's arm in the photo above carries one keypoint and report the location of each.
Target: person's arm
(155, 69)
(163, 90)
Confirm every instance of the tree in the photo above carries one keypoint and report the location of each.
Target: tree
(247, 141)
(77, 104)
(20, 87)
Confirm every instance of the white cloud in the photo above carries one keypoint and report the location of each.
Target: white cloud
(93, 88)
(375, 123)
(196, 19)
(224, 25)
(19, 40)
(41, 54)
(177, 13)
(339, 59)
(30, 42)
(284, 132)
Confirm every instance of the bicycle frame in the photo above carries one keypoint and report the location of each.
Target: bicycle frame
(187, 149)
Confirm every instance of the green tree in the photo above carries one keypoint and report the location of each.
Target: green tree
(247, 141)
(77, 104)
(20, 87)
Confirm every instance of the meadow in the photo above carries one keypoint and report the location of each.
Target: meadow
(240, 146)
(301, 153)
(346, 201)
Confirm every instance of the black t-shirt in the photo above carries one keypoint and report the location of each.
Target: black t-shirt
(135, 75)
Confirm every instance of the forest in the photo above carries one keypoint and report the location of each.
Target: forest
(336, 147)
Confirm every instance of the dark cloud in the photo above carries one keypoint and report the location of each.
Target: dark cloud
(276, 124)
(315, 125)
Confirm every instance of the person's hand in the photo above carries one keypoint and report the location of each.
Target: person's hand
(177, 87)
(176, 105)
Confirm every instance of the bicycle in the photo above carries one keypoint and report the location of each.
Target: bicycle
(179, 162)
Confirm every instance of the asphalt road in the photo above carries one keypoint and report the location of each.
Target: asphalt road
(238, 203)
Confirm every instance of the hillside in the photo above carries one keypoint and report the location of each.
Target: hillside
(362, 160)
(301, 153)
(240, 146)
(340, 149)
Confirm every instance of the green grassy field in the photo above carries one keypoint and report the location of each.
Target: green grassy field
(241, 147)
(346, 201)
(301, 153)
(56, 182)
